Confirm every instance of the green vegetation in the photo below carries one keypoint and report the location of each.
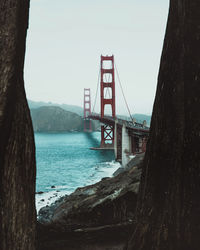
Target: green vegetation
(72, 108)
(55, 119)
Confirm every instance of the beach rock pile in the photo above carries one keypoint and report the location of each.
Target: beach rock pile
(104, 210)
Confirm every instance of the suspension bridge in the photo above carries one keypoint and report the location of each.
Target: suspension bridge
(125, 136)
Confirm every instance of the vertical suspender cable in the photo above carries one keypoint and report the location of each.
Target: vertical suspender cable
(123, 94)
(107, 91)
(96, 91)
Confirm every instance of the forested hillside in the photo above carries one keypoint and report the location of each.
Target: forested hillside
(55, 119)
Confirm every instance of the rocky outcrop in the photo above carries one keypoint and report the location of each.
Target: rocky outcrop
(98, 216)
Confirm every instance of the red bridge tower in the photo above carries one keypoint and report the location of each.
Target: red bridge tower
(87, 111)
(107, 86)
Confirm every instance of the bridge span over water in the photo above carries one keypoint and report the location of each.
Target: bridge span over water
(126, 137)
(129, 138)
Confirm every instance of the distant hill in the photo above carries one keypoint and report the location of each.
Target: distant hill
(79, 111)
(72, 108)
(140, 118)
(49, 119)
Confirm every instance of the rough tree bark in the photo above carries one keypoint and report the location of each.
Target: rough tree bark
(17, 151)
(168, 211)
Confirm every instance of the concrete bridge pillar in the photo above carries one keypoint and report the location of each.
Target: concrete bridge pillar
(122, 144)
(127, 143)
(126, 146)
(115, 139)
(118, 141)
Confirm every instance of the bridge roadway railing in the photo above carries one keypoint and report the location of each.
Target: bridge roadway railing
(133, 126)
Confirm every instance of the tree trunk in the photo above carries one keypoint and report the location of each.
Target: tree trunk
(168, 210)
(17, 151)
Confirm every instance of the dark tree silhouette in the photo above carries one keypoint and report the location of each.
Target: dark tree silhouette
(17, 151)
(168, 211)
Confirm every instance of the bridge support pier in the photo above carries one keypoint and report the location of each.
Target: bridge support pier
(118, 142)
(122, 144)
(127, 144)
(115, 141)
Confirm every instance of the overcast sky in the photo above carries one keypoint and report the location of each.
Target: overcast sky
(66, 39)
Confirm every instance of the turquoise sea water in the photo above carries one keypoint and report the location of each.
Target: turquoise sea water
(65, 161)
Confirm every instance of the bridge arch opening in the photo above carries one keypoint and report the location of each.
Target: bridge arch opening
(107, 64)
(108, 109)
(108, 93)
(107, 77)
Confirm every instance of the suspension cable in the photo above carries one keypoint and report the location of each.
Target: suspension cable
(97, 89)
(123, 93)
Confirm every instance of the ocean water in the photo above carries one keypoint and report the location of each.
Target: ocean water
(66, 162)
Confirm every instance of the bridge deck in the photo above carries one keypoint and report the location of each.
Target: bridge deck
(136, 128)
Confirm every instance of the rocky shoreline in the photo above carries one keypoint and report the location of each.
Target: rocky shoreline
(104, 210)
